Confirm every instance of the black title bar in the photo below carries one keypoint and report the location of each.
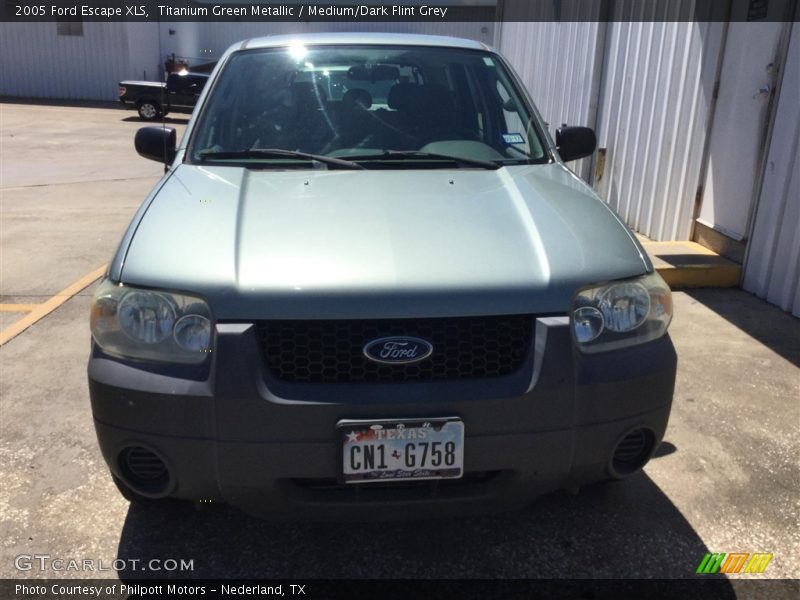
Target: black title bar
(409, 11)
(697, 588)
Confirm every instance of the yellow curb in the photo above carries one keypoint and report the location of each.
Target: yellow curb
(685, 264)
(42, 310)
(696, 276)
(670, 247)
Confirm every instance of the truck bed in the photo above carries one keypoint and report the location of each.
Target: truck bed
(143, 83)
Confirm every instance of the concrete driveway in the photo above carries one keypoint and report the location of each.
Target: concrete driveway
(726, 478)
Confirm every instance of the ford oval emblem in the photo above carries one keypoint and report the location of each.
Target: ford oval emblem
(398, 350)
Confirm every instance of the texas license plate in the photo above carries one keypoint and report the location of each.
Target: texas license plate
(374, 451)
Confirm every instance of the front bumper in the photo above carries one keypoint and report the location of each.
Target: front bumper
(232, 433)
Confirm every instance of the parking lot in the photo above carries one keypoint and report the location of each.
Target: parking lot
(726, 478)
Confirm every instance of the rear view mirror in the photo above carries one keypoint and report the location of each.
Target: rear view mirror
(376, 73)
(358, 73)
(157, 143)
(575, 142)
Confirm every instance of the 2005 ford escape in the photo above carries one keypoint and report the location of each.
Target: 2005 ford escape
(367, 286)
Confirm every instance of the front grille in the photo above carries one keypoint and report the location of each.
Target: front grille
(331, 351)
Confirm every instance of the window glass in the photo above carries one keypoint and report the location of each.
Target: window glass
(352, 101)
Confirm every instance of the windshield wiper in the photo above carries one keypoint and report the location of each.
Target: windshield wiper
(420, 155)
(330, 161)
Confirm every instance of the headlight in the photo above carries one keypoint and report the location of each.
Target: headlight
(146, 317)
(621, 313)
(151, 325)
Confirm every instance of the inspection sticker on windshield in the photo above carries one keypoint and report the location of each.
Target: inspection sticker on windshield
(513, 138)
(374, 451)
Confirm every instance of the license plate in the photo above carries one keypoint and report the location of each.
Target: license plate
(375, 451)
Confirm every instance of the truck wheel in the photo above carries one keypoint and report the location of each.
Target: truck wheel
(148, 110)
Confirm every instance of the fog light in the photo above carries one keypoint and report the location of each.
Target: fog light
(144, 471)
(632, 452)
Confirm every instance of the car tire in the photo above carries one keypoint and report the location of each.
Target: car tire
(149, 110)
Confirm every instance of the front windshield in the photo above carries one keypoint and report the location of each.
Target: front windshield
(360, 102)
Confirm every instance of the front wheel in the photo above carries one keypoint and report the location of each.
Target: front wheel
(148, 110)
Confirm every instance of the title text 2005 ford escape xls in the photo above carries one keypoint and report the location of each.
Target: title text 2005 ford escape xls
(368, 286)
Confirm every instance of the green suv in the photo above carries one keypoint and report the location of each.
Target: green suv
(367, 286)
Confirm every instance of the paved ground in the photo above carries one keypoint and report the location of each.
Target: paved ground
(71, 180)
(726, 479)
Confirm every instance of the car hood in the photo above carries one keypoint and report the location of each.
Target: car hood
(378, 243)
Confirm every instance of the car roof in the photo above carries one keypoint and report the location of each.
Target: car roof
(381, 39)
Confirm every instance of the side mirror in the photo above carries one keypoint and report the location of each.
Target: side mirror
(157, 143)
(575, 142)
